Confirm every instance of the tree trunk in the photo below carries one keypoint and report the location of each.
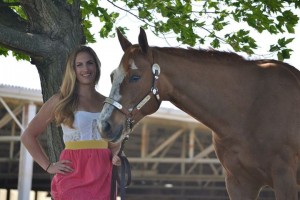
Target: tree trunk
(51, 77)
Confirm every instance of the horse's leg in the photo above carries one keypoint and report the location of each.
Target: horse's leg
(241, 189)
(284, 180)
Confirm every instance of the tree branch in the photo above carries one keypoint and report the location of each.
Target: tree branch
(27, 43)
(45, 17)
(10, 18)
(2, 4)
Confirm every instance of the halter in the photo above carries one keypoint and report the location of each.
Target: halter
(134, 114)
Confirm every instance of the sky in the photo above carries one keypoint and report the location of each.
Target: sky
(22, 73)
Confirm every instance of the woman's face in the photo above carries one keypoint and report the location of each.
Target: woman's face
(85, 68)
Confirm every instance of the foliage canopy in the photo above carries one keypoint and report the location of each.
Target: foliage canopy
(193, 22)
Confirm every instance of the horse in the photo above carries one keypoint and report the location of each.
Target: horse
(251, 106)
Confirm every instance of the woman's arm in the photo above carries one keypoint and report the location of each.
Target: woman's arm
(115, 148)
(36, 127)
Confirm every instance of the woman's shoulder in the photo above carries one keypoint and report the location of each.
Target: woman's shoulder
(46, 111)
(54, 99)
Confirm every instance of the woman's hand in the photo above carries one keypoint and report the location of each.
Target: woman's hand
(61, 167)
(116, 160)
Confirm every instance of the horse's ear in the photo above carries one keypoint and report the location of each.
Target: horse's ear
(143, 42)
(125, 44)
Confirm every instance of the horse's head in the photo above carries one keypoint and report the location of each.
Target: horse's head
(134, 92)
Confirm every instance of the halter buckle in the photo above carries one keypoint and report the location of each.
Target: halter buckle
(155, 69)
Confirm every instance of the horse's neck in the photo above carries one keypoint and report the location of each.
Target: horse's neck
(207, 91)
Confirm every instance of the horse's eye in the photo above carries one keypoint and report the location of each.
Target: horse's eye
(134, 78)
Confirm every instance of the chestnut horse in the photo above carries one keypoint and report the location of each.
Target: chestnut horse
(252, 107)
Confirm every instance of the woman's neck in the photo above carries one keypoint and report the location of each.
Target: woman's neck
(87, 91)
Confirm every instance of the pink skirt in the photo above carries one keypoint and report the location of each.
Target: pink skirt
(91, 178)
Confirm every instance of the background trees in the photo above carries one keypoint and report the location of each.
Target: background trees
(45, 31)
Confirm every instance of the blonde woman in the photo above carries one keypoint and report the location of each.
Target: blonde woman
(85, 165)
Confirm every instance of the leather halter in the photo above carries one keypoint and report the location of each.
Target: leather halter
(134, 114)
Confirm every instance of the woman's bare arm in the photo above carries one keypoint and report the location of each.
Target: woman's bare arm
(36, 127)
(115, 148)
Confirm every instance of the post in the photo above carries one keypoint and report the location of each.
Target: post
(26, 161)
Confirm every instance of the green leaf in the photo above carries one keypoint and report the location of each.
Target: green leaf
(20, 56)
(3, 51)
(286, 53)
(280, 56)
(283, 42)
(215, 43)
(290, 28)
(272, 29)
(274, 48)
(87, 24)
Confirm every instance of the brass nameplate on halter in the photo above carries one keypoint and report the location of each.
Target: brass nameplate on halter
(142, 103)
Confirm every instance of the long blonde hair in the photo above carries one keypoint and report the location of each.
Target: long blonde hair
(68, 103)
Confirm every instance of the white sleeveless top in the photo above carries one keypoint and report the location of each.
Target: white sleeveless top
(85, 127)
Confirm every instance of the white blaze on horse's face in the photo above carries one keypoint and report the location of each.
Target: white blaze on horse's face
(118, 77)
(132, 64)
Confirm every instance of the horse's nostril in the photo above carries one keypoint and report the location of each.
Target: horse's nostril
(106, 126)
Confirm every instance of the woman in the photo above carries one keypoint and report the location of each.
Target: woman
(85, 165)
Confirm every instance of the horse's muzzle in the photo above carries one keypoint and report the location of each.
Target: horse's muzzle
(109, 133)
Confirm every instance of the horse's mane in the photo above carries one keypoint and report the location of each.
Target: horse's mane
(204, 53)
(223, 56)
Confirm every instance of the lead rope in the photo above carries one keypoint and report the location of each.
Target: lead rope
(121, 179)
